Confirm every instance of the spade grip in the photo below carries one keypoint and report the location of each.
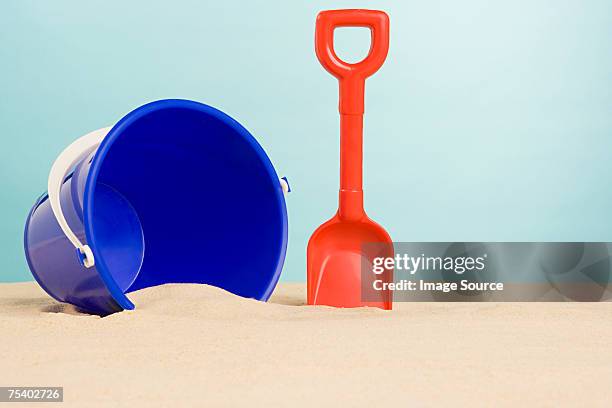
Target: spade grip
(352, 76)
(351, 79)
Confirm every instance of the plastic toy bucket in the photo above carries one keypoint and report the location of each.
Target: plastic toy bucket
(176, 191)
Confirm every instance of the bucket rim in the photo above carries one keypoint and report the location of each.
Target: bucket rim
(96, 163)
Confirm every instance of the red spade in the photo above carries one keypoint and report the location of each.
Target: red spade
(336, 252)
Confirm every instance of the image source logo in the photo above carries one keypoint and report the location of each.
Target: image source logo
(488, 271)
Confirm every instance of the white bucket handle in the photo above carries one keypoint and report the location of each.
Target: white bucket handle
(62, 165)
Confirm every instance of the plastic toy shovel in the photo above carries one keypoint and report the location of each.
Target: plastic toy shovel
(339, 268)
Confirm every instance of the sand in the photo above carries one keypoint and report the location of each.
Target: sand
(194, 345)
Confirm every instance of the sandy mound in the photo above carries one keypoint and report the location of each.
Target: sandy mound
(194, 345)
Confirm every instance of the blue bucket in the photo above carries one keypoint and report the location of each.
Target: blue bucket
(175, 192)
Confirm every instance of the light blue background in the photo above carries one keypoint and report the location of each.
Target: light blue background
(489, 121)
